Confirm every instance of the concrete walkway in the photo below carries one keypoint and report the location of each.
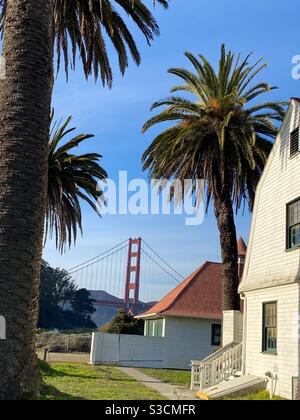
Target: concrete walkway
(168, 391)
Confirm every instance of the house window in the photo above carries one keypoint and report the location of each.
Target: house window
(154, 328)
(270, 327)
(294, 142)
(293, 219)
(216, 333)
(147, 330)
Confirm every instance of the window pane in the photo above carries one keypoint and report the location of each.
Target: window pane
(159, 328)
(216, 335)
(294, 216)
(293, 227)
(270, 327)
(147, 328)
(294, 142)
(295, 235)
(155, 329)
(151, 325)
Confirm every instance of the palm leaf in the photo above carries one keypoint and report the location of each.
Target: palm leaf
(71, 178)
(220, 135)
(83, 27)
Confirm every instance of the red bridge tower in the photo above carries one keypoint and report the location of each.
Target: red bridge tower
(133, 272)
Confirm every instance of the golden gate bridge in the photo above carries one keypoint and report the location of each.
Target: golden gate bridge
(126, 275)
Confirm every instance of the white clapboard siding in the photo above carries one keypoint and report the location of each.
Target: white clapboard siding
(271, 272)
(267, 261)
(286, 363)
(187, 339)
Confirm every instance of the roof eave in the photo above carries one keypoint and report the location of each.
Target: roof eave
(142, 316)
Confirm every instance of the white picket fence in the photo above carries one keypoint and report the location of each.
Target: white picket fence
(218, 367)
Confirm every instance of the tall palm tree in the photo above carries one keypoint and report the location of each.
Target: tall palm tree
(71, 178)
(218, 137)
(30, 30)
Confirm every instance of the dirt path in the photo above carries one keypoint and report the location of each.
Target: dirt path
(82, 358)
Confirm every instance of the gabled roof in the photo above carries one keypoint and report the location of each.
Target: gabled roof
(199, 296)
(255, 282)
(242, 247)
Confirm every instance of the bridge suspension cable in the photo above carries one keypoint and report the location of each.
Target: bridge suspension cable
(104, 254)
(162, 263)
(130, 272)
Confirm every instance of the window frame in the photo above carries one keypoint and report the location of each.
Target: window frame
(213, 335)
(154, 327)
(289, 226)
(292, 154)
(265, 348)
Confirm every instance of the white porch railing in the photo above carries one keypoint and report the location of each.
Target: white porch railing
(218, 367)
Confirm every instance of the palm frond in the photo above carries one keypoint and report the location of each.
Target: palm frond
(71, 178)
(220, 136)
(83, 27)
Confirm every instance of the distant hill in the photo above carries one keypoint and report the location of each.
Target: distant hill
(102, 295)
(104, 314)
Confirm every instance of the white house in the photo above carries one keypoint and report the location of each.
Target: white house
(270, 285)
(190, 316)
(185, 325)
(266, 351)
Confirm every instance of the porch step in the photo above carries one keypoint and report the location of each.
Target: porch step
(242, 385)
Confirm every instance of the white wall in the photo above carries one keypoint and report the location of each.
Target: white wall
(267, 261)
(232, 327)
(271, 272)
(286, 363)
(185, 340)
(188, 339)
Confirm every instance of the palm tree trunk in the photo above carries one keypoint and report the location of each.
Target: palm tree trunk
(225, 219)
(25, 101)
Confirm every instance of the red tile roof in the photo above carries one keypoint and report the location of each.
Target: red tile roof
(199, 296)
(242, 247)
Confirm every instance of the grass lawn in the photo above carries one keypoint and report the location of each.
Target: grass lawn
(173, 377)
(80, 382)
(261, 396)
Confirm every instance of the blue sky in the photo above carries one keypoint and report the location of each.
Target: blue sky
(269, 28)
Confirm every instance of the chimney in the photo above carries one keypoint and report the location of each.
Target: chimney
(242, 251)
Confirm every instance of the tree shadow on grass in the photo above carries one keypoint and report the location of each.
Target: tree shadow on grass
(49, 392)
(51, 372)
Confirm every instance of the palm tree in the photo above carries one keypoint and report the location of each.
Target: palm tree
(31, 28)
(218, 137)
(83, 26)
(25, 98)
(71, 178)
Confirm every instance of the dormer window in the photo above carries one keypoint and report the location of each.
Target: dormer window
(294, 142)
(293, 219)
